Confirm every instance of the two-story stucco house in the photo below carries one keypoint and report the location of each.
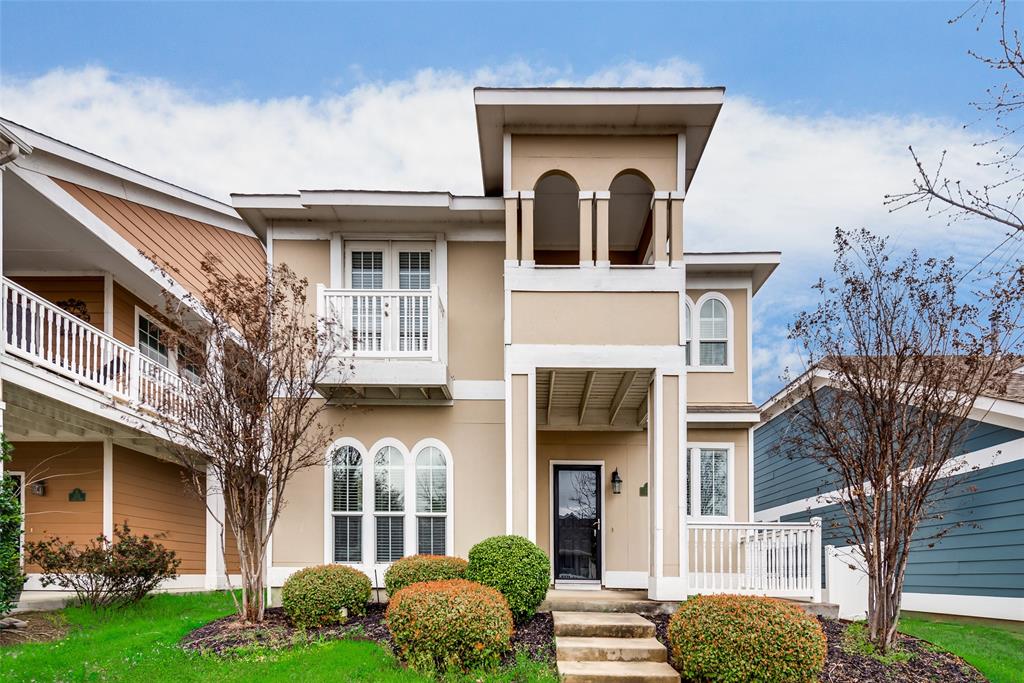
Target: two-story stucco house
(546, 359)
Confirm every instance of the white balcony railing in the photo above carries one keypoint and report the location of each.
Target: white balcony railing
(49, 337)
(388, 323)
(756, 558)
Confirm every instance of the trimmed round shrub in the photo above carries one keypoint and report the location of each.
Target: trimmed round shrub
(516, 567)
(418, 568)
(745, 638)
(326, 594)
(441, 626)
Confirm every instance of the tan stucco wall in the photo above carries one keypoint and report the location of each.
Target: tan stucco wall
(476, 310)
(741, 468)
(593, 160)
(474, 431)
(625, 515)
(716, 388)
(310, 259)
(595, 318)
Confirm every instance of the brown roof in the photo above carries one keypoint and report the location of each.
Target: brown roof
(178, 244)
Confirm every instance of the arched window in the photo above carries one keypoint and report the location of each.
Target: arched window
(431, 502)
(347, 503)
(714, 333)
(389, 504)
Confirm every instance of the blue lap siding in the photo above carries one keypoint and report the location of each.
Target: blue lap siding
(983, 556)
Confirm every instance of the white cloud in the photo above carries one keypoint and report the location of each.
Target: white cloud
(768, 180)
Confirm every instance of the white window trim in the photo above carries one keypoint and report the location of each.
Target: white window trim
(171, 357)
(730, 342)
(693, 449)
(449, 522)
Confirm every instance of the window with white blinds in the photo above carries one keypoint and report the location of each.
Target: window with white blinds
(431, 501)
(367, 269)
(714, 333)
(389, 504)
(713, 481)
(414, 270)
(347, 503)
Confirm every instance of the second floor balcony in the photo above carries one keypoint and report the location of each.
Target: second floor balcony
(396, 345)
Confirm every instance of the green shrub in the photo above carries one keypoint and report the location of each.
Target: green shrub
(104, 573)
(326, 594)
(738, 638)
(516, 567)
(418, 568)
(11, 576)
(439, 626)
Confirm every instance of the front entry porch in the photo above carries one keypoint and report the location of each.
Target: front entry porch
(647, 503)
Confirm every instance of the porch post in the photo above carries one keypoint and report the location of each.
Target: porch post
(518, 469)
(659, 205)
(666, 433)
(586, 228)
(108, 489)
(526, 208)
(512, 227)
(675, 215)
(602, 200)
(215, 569)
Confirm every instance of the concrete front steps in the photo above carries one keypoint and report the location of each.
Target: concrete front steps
(609, 646)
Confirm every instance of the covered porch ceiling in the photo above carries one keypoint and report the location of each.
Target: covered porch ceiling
(574, 398)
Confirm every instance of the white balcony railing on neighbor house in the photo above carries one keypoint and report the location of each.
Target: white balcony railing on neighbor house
(388, 323)
(756, 558)
(47, 336)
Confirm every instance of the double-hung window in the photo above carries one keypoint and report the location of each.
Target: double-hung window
(150, 341)
(714, 334)
(431, 502)
(347, 504)
(389, 504)
(709, 482)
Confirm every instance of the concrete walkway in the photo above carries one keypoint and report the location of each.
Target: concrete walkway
(609, 646)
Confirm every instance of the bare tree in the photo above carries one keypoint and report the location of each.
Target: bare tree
(907, 355)
(243, 414)
(998, 199)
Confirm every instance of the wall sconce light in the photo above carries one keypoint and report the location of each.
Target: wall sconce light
(76, 496)
(38, 488)
(616, 482)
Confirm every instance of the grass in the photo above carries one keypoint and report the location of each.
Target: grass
(855, 641)
(139, 643)
(996, 651)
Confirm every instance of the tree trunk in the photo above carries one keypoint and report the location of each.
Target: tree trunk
(883, 610)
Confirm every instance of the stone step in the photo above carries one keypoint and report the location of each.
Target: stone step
(577, 649)
(625, 672)
(602, 625)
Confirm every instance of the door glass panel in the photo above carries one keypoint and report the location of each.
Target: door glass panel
(367, 320)
(414, 309)
(577, 524)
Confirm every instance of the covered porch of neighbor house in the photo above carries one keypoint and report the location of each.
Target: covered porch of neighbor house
(608, 480)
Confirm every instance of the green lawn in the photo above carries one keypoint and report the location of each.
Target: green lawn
(997, 652)
(140, 644)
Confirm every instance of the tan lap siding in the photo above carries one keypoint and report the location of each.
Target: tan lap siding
(64, 467)
(88, 289)
(152, 496)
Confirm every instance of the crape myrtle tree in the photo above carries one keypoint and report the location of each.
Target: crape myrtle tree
(245, 417)
(910, 357)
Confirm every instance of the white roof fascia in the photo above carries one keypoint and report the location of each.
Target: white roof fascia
(598, 96)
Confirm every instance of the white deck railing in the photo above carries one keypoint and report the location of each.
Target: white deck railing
(387, 323)
(756, 558)
(49, 337)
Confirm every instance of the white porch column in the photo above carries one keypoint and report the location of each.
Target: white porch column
(667, 504)
(215, 570)
(518, 441)
(108, 489)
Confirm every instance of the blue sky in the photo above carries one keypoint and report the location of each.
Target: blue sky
(822, 101)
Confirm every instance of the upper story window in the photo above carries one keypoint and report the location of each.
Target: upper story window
(389, 265)
(714, 332)
(150, 341)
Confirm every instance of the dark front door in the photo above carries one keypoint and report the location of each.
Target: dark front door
(577, 495)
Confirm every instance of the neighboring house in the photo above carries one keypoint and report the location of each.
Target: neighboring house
(546, 359)
(82, 362)
(978, 568)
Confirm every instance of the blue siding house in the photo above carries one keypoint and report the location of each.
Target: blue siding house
(977, 569)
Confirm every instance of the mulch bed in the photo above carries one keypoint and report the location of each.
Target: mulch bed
(226, 636)
(928, 663)
(42, 628)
